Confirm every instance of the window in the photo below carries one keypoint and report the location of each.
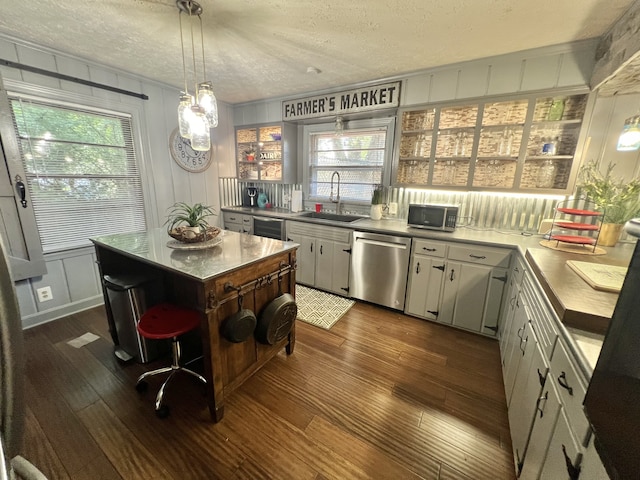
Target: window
(81, 172)
(358, 155)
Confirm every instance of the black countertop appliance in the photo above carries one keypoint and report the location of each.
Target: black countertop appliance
(250, 197)
(612, 402)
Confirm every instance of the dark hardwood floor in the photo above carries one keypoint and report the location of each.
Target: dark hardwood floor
(381, 396)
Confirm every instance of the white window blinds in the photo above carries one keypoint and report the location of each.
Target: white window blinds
(357, 155)
(81, 172)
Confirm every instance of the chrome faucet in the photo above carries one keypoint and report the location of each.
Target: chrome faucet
(337, 200)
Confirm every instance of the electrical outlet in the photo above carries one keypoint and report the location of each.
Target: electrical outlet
(44, 294)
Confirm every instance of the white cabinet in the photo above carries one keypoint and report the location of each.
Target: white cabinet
(529, 381)
(426, 274)
(458, 284)
(548, 408)
(267, 153)
(474, 282)
(524, 144)
(545, 391)
(591, 467)
(237, 222)
(324, 255)
(563, 455)
(332, 266)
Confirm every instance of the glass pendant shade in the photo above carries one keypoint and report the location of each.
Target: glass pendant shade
(207, 100)
(630, 137)
(184, 115)
(200, 135)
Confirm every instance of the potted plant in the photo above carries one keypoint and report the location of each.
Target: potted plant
(194, 217)
(620, 199)
(376, 202)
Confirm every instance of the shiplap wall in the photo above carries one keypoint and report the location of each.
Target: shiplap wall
(73, 275)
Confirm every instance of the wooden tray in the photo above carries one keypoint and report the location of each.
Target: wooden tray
(599, 276)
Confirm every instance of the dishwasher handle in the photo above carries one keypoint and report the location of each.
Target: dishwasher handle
(380, 243)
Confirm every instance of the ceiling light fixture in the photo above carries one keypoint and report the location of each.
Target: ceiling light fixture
(196, 115)
(630, 137)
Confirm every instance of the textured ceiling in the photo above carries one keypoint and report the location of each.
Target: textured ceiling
(259, 49)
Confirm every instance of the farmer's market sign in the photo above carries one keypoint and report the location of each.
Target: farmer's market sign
(366, 99)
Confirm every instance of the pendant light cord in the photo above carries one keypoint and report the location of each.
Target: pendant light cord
(204, 65)
(184, 62)
(193, 54)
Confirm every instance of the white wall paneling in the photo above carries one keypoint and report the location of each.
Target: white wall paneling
(73, 275)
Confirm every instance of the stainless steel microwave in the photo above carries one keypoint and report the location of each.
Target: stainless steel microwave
(433, 216)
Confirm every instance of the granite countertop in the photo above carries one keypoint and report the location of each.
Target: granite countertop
(234, 251)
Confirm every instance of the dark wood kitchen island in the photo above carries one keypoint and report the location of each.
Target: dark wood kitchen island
(210, 281)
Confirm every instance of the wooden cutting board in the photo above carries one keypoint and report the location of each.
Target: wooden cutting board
(601, 277)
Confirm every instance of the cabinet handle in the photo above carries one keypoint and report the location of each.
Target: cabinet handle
(519, 332)
(541, 378)
(477, 257)
(232, 218)
(562, 380)
(320, 249)
(512, 301)
(429, 249)
(439, 267)
(451, 277)
(524, 340)
(418, 268)
(572, 470)
(540, 400)
(311, 246)
(515, 269)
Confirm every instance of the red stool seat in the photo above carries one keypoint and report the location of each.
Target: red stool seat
(167, 321)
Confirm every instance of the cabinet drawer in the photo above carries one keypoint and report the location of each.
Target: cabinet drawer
(542, 316)
(496, 257)
(231, 217)
(430, 248)
(571, 389)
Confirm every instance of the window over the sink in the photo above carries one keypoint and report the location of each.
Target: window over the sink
(360, 155)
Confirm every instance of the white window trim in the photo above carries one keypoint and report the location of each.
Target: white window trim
(387, 122)
(123, 106)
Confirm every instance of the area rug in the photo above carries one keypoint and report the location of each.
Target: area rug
(320, 308)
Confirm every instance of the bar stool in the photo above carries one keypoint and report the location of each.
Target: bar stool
(166, 321)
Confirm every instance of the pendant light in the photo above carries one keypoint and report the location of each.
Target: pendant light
(195, 115)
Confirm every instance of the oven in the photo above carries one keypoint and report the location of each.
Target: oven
(269, 227)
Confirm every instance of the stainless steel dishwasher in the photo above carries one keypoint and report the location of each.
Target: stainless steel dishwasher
(379, 268)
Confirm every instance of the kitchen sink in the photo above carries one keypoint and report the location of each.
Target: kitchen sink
(332, 216)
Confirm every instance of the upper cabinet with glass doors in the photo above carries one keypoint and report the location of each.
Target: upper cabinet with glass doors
(526, 144)
(266, 153)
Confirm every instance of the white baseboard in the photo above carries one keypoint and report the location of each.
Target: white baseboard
(39, 318)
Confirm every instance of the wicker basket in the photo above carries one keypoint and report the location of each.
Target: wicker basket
(209, 234)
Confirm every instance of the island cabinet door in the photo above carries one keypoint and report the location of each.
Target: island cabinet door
(231, 363)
